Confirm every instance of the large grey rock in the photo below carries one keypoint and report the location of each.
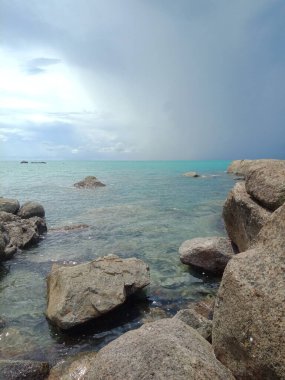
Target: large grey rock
(266, 184)
(162, 350)
(82, 292)
(243, 217)
(9, 205)
(89, 182)
(210, 253)
(18, 233)
(31, 209)
(249, 316)
(23, 369)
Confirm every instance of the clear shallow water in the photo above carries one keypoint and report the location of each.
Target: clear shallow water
(146, 211)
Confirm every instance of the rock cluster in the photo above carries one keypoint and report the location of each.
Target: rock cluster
(20, 227)
(249, 314)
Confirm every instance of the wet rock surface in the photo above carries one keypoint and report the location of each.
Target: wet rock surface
(77, 294)
(73, 368)
(23, 369)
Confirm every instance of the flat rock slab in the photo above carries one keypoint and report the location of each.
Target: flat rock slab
(89, 182)
(210, 253)
(163, 350)
(77, 294)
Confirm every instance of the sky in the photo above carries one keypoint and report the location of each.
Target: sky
(142, 79)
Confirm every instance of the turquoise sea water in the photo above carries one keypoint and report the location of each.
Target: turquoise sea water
(146, 210)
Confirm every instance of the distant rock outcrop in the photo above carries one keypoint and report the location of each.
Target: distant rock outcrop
(79, 293)
(191, 174)
(89, 182)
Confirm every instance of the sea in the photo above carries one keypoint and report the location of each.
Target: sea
(147, 210)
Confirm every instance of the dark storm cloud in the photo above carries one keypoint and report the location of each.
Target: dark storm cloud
(198, 79)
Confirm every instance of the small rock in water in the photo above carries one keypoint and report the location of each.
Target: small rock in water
(191, 174)
(89, 182)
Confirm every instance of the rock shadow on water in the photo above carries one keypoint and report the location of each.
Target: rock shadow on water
(99, 331)
(209, 279)
(4, 270)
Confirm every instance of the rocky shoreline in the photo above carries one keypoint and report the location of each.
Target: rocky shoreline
(239, 336)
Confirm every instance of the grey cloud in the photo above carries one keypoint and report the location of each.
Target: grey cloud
(39, 65)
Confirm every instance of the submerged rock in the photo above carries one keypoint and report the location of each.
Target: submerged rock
(70, 228)
(82, 292)
(191, 174)
(9, 205)
(165, 349)
(210, 253)
(30, 209)
(14, 343)
(89, 182)
(249, 315)
(243, 217)
(23, 369)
